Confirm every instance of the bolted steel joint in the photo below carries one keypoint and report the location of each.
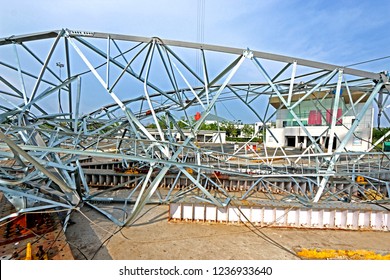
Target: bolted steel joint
(248, 53)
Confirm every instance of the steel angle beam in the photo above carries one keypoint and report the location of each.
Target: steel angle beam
(147, 146)
(259, 54)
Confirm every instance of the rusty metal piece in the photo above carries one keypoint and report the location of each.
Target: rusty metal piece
(47, 241)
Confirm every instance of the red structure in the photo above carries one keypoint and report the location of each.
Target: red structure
(338, 117)
(315, 118)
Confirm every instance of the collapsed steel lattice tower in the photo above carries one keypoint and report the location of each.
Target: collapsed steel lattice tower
(66, 95)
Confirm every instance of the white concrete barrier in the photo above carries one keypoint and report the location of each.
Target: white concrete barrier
(352, 219)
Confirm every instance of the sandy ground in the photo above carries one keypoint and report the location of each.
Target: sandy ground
(153, 237)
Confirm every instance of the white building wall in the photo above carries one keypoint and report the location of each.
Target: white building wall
(364, 131)
(259, 125)
(219, 137)
(278, 134)
(207, 136)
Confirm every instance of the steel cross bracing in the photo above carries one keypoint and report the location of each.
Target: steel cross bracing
(129, 103)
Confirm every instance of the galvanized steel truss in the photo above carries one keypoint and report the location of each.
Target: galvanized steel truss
(46, 132)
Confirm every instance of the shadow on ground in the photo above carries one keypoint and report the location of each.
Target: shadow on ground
(86, 239)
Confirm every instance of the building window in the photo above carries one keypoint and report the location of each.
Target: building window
(357, 141)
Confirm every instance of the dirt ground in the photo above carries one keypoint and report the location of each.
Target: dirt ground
(153, 237)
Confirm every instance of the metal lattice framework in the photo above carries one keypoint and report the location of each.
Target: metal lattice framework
(106, 92)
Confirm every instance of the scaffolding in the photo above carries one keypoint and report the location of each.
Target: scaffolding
(68, 97)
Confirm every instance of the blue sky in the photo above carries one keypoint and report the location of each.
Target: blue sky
(339, 32)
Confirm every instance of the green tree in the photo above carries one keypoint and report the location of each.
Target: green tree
(230, 128)
(213, 126)
(161, 121)
(182, 123)
(378, 133)
(248, 130)
(151, 125)
(210, 126)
